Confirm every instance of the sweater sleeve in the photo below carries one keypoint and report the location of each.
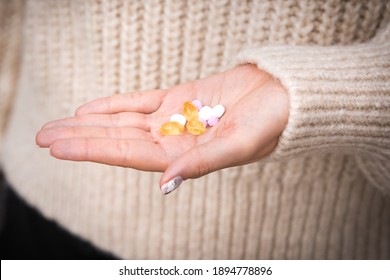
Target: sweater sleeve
(11, 17)
(339, 100)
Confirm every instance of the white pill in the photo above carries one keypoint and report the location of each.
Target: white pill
(178, 118)
(206, 112)
(218, 110)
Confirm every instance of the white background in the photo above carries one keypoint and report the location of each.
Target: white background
(96, 270)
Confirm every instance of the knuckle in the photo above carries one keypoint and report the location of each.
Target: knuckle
(113, 133)
(124, 152)
(202, 166)
(86, 155)
(115, 119)
(202, 169)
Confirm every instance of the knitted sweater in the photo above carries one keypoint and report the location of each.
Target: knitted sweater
(321, 194)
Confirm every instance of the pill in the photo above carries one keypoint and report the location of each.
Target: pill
(203, 121)
(212, 121)
(178, 118)
(218, 110)
(206, 112)
(172, 128)
(197, 104)
(196, 127)
(190, 112)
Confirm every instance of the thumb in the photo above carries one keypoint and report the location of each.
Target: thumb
(203, 159)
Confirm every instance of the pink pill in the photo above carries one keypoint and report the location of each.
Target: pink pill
(197, 104)
(212, 121)
(203, 121)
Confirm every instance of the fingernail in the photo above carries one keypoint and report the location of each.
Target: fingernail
(171, 185)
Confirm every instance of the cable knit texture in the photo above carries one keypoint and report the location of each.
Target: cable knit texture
(319, 195)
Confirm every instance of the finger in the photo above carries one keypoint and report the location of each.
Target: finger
(216, 154)
(130, 119)
(219, 153)
(47, 137)
(137, 154)
(142, 102)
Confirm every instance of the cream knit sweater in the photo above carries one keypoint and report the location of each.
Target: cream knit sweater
(321, 194)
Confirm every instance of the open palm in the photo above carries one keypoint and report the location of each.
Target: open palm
(124, 130)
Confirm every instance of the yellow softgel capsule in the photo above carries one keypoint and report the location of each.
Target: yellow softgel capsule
(196, 127)
(190, 111)
(171, 128)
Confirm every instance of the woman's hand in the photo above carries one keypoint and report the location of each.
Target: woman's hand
(124, 130)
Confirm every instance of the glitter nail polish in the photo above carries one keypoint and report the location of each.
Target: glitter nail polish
(171, 185)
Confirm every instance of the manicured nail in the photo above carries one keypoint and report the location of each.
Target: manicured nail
(171, 185)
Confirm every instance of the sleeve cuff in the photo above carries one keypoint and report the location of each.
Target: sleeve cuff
(339, 97)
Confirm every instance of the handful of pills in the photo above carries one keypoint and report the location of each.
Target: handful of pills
(195, 118)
